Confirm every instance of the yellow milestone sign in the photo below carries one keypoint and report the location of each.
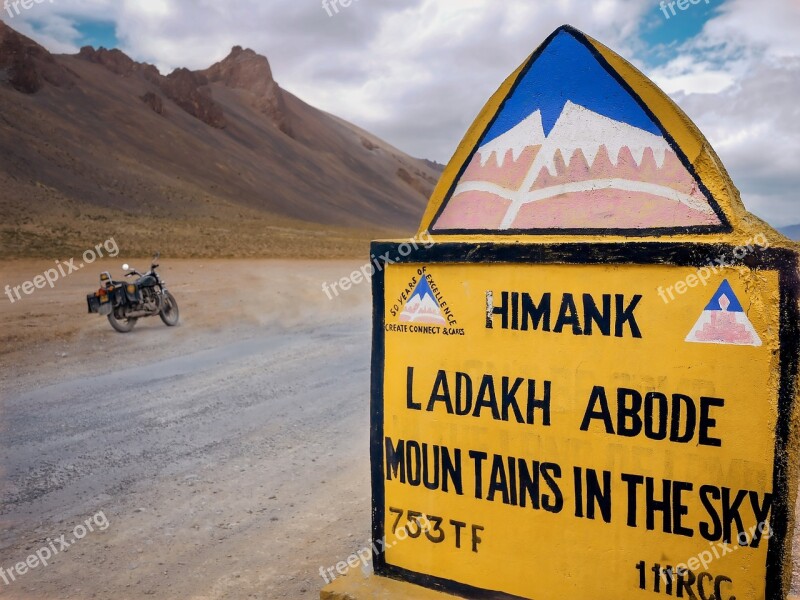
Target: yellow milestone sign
(585, 386)
(552, 429)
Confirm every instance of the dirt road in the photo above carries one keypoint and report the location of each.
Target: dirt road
(228, 455)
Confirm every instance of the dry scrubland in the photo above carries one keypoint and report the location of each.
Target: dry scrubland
(67, 229)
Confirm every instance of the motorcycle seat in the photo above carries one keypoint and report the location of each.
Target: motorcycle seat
(146, 281)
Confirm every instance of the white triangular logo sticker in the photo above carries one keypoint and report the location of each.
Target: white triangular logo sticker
(422, 307)
(724, 321)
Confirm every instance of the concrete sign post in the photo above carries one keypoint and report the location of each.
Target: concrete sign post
(586, 387)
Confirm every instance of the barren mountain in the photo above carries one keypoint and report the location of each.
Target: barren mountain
(219, 162)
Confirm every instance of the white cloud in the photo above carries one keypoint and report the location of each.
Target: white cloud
(739, 80)
(755, 128)
(58, 34)
(768, 25)
(685, 73)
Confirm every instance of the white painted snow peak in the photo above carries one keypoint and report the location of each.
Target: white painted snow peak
(529, 132)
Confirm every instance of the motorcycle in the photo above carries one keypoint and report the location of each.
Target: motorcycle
(125, 303)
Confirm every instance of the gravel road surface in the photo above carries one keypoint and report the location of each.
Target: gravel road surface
(227, 458)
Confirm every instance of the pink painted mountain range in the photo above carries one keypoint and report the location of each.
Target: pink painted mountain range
(589, 172)
(422, 309)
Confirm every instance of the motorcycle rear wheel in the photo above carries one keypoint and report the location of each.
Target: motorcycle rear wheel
(121, 325)
(169, 310)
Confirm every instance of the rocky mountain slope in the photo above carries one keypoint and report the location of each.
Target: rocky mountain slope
(218, 162)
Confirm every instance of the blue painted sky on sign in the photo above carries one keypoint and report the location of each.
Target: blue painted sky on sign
(727, 290)
(567, 70)
(424, 289)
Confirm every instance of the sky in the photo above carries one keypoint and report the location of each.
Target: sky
(417, 72)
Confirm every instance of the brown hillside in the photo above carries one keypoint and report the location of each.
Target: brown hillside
(220, 162)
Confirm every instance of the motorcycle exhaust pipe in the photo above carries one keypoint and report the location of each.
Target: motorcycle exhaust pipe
(139, 313)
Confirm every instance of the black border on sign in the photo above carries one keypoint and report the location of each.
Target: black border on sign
(636, 253)
(723, 227)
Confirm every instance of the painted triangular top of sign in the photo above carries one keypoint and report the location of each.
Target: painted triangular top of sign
(573, 148)
(724, 321)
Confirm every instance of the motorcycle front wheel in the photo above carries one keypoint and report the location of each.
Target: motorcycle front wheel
(169, 310)
(121, 325)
